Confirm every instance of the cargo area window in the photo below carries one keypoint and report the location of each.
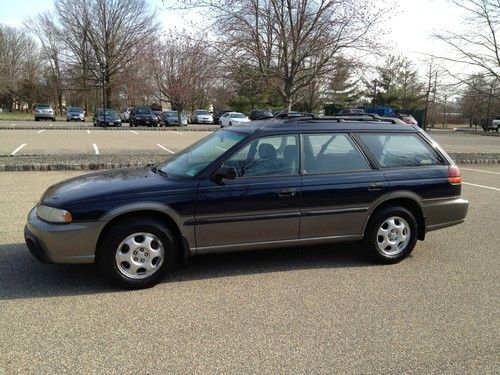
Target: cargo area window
(400, 150)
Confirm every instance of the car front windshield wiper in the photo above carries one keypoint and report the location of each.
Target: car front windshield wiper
(159, 171)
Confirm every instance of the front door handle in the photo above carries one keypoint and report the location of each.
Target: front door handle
(287, 192)
(375, 186)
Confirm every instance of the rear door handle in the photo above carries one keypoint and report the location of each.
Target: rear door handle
(287, 192)
(375, 186)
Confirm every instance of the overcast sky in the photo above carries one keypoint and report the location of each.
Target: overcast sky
(410, 25)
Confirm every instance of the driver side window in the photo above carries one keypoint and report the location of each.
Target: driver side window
(267, 156)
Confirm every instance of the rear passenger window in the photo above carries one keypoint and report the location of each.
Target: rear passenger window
(331, 153)
(400, 150)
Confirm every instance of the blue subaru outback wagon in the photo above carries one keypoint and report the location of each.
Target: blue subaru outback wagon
(276, 183)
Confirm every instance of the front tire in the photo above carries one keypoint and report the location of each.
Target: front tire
(137, 253)
(391, 235)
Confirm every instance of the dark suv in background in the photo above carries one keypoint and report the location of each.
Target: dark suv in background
(291, 182)
(143, 116)
(260, 114)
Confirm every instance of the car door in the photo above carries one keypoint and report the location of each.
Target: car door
(261, 205)
(338, 186)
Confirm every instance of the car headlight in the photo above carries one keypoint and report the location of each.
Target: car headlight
(53, 215)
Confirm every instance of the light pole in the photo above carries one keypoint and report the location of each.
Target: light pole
(103, 74)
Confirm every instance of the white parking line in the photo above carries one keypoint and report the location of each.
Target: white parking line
(12, 124)
(133, 131)
(481, 186)
(95, 149)
(17, 149)
(88, 131)
(166, 149)
(176, 132)
(40, 131)
(479, 170)
(220, 148)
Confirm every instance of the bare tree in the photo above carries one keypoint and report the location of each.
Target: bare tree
(74, 25)
(291, 42)
(104, 36)
(182, 70)
(48, 34)
(478, 45)
(16, 50)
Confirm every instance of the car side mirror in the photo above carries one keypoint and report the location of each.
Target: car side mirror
(228, 173)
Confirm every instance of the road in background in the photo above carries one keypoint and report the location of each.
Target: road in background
(295, 310)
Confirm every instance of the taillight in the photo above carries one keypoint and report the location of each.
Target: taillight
(454, 176)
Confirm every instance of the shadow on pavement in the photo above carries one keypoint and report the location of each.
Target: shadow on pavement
(22, 276)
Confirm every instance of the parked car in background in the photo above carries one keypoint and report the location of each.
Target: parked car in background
(260, 114)
(125, 114)
(44, 112)
(291, 182)
(494, 124)
(106, 118)
(201, 116)
(351, 111)
(408, 119)
(171, 118)
(233, 118)
(143, 116)
(218, 115)
(75, 114)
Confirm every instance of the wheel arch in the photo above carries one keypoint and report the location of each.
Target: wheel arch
(162, 214)
(409, 201)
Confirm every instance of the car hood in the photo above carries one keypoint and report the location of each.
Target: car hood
(116, 184)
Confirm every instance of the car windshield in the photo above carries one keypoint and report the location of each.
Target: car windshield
(143, 111)
(171, 114)
(237, 115)
(109, 112)
(202, 112)
(43, 106)
(192, 160)
(75, 109)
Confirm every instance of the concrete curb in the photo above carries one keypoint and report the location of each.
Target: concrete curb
(47, 163)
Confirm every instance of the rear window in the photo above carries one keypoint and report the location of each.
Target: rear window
(400, 150)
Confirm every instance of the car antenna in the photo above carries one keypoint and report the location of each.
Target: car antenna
(281, 112)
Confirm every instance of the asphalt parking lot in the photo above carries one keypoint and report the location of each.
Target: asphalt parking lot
(303, 310)
(30, 138)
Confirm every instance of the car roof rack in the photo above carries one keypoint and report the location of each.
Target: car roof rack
(367, 117)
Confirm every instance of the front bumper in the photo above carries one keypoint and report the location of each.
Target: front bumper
(61, 243)
(109, 123)
(75, 117)
(146, 121)
(204, 121)
(44, 115)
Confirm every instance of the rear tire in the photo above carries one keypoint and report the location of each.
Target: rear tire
(391, 235)
(137, 253)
